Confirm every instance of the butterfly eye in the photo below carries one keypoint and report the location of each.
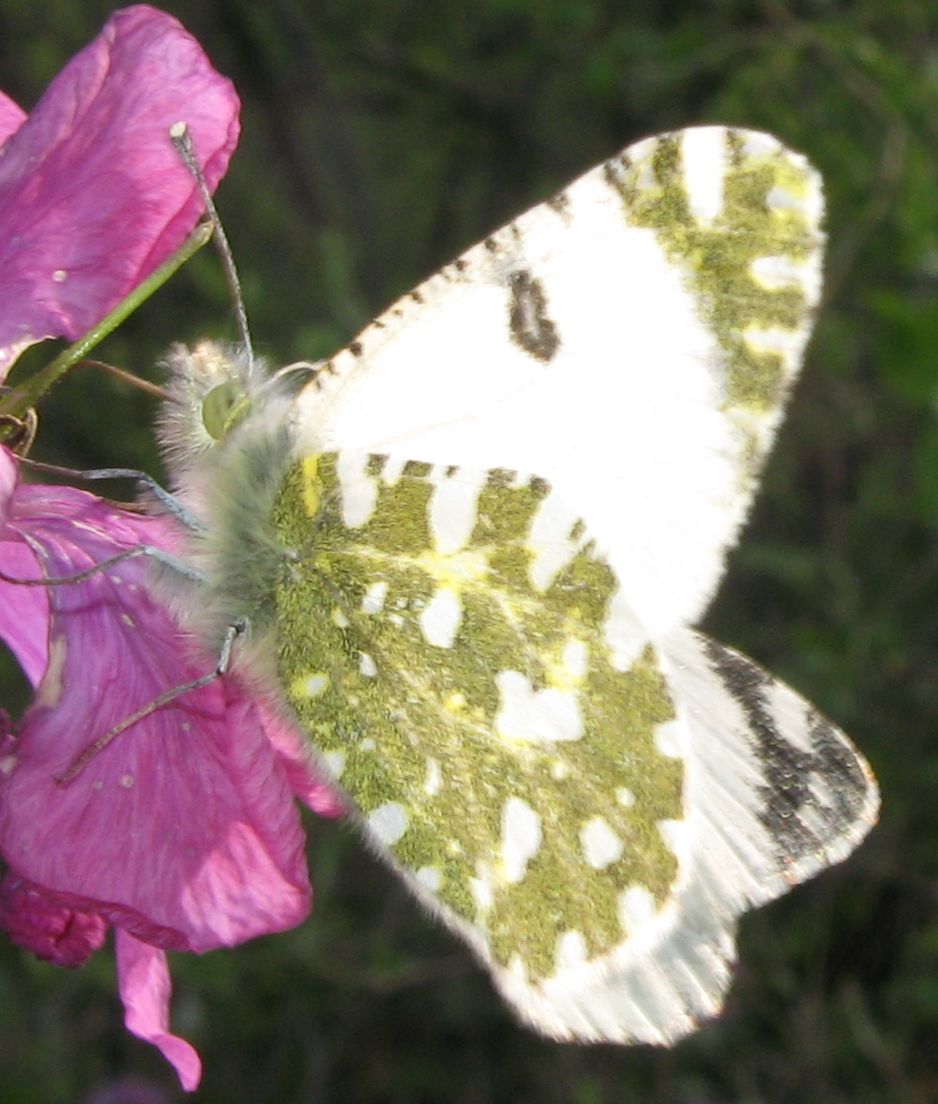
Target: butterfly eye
(223, 407)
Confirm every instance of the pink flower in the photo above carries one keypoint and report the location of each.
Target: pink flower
(93, 196)
(182, 834)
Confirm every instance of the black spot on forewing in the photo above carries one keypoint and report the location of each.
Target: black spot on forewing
(560, 205)
(789, 770)
(615, 171)
(531, 327)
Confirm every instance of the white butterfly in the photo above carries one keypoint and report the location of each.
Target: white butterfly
(471, 547)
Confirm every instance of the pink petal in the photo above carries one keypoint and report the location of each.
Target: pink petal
(183, 831)
(93, 195)
(24, 611)
(11, 117)
(53, 932)
(143, 980)
(9, 477)
(307, 780)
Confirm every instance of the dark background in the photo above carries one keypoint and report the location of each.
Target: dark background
(380, 138)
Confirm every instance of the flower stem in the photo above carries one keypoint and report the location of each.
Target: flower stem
(17, 402)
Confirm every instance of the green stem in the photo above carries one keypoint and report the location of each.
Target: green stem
(17, 402)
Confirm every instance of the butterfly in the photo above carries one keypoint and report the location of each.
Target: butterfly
(470, 548)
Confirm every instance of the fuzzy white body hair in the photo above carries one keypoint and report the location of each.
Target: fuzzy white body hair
(228, 485)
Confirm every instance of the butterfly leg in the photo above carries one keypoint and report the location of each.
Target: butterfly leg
(98, 745)
(166, 498)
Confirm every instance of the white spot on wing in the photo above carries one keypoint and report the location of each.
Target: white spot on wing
(773, 341)
(440, 619)
(575, 656)
(430, 877)
(625, 797)
(812, 820)
(388, 822)
(536, 716)
(373, 601)
(703, 154)
(821, 790)
(518, 968)
(624, 635)
(601, 846)
(788, 712)
(675, 835)
(316, 684)
(434, 778)
(776, 272)
(367, 665)
(571, 950)
(549, 540)
(335, 761)
(521, 837)
(359, 489)
(668, 739)
(453, 508)
(393, 469)
(481, 888)
(636, 908)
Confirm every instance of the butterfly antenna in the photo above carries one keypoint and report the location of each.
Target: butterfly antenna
(182, 140)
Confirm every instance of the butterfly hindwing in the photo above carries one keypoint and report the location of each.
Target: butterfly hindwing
(497, 719)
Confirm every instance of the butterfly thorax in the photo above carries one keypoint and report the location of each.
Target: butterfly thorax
(226, 440)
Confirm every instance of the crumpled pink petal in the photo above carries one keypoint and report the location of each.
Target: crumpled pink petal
(304, 776)
(143, 980)
(93, 196)
(11, 117)
(54, 933)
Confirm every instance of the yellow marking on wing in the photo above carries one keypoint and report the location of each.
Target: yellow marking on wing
(454, 570)
(311, 497)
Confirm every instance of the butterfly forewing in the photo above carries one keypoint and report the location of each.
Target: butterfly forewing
(631, 341)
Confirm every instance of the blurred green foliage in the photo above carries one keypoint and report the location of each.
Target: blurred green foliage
(380, 138)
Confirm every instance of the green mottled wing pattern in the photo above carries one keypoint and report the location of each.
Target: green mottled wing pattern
(483, 725)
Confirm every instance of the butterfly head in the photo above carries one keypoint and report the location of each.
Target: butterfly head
(211, 388)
